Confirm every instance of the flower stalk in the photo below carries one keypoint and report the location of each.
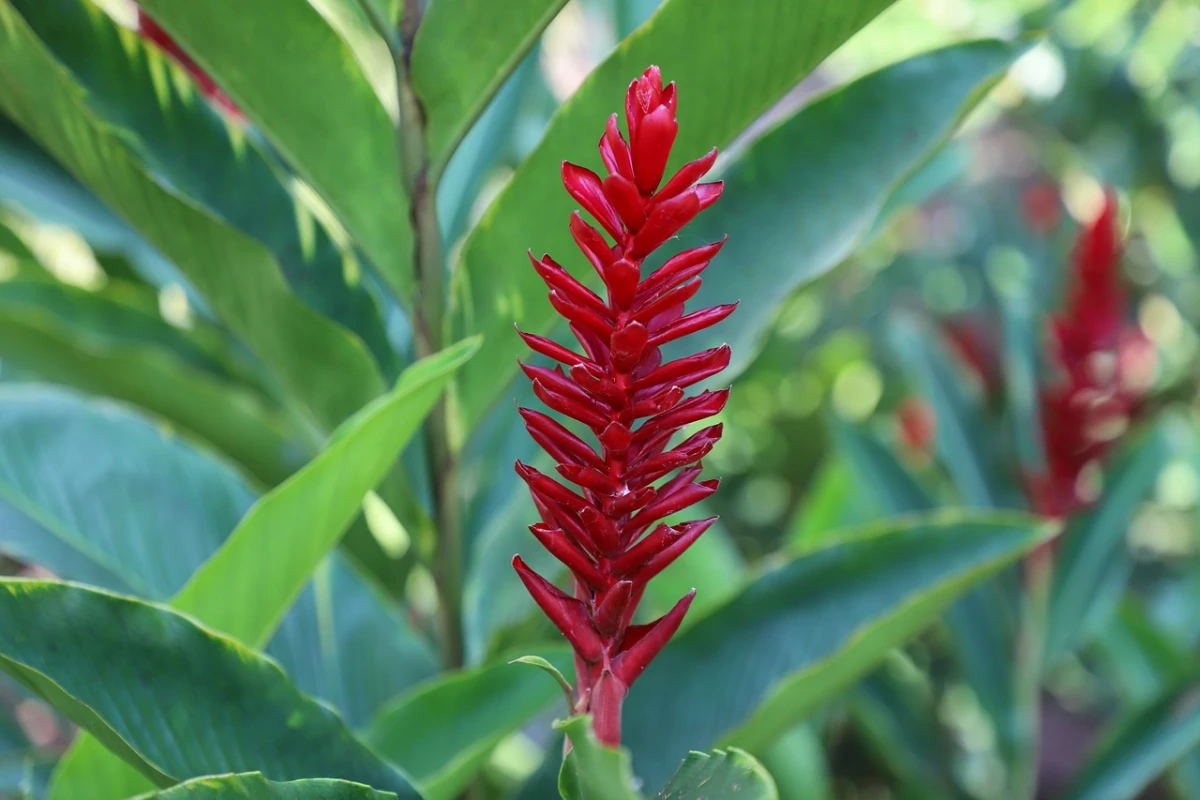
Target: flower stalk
(605, 527)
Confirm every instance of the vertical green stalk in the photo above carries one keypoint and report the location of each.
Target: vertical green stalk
(1039, 570)
(428, 320)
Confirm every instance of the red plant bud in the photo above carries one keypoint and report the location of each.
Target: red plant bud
(631, 399)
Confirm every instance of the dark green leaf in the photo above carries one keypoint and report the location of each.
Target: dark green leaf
(295, 78)
(765, 46)
(253, 786)
(247, 585)
(174, 699)
(807, 629)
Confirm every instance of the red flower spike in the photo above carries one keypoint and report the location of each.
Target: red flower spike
(1094, 352)
(631, 398)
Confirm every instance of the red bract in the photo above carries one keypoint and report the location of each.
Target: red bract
(598, 528)
(1100, 361)
(151, 31)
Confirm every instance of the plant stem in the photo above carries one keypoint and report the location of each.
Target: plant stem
(428, 320)
(1039, 569)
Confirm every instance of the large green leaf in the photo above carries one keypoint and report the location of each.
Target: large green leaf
(326, 369)
(805, 195)
(453, 89)
(134, 87)
(68, 468)
(88, 490)
(174, 699)
(291, 73)
(1141, 747)
(253, 786)
(247, 585)
(99, 344)
(764, 46)
(807, 629)
(1094, 562)
(442, 732)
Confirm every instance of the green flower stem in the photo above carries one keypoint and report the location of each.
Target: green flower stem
(1039, 570)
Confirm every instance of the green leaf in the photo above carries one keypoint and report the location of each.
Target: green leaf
(592, 771)
(1141, 747)
(103, 345)
(345, 642)
(552, 671)
(718, 775)
(814, 625)
(69, 468)
(720, 97)
(247, 585)
(133, 86)
(298, 75)
(1093, 561)
(831, 501)
(442, 732)
(453, 89)
(959, 411)
(890, 487)
(175, 700)
(802, 198)
(326, 369)
(799, 766)
(253, 786)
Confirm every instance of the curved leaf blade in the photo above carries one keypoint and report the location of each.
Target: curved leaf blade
(592, 771)
(719, 775)
(809, 628)
(163, 703)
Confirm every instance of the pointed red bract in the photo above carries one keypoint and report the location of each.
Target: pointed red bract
(629, 396)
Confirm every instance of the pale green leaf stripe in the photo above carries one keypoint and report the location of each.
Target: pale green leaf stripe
(1142, 746)
(808, 629)
(253, 786)
(247, 585)
(245, 588)
(300, 83)
(319, 363)
(175, 699)
(454, 89)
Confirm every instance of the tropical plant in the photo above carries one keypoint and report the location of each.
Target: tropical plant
(255, 427)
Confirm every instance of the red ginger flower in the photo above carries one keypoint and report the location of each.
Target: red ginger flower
(599, 530)
(1102, 362)
(151, 31)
